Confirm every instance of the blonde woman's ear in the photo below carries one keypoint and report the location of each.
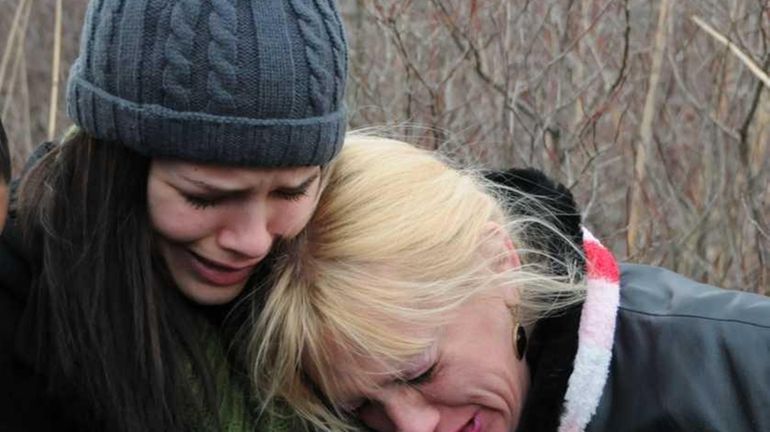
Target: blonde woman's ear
(500, 249)
(499, 245)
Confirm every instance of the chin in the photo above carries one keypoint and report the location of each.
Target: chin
(208, 295)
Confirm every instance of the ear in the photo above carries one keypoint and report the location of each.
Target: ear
(500, 244)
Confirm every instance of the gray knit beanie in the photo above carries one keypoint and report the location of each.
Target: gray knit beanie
(244, 82)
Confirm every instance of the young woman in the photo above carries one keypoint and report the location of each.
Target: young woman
(423, 298)
(202, 133)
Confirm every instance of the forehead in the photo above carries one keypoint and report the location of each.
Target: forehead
(213, 172)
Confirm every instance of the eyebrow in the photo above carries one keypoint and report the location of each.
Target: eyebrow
(216, 189)
(302, 187)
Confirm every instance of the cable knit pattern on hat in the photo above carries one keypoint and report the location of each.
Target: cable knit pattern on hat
(231, 82)
(103, 40)
(310, 30)
(177, 75)
(223, 53)
(338, 46)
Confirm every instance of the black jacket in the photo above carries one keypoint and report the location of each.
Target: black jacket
(685, 357)
(25, 403)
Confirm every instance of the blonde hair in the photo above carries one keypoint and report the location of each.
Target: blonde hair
(398, 238)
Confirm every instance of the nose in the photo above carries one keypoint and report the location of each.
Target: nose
(409, 411)
(246, 232)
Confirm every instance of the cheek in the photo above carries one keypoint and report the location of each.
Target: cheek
(481, 366)
(495, 387)
(289, 217)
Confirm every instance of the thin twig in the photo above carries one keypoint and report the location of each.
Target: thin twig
(9, 47)
(54, 105)
(635, 203)
(17, 64)
(748, 61)
(25, 111)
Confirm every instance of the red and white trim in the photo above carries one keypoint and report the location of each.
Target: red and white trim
(595, 336)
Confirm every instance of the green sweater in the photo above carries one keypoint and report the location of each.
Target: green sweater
(238, 410)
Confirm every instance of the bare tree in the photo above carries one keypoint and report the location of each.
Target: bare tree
(660, 127)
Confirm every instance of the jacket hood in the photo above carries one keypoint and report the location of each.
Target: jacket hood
(553, 341)
(557, 208)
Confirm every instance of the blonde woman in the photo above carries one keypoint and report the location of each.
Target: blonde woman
(423, 298)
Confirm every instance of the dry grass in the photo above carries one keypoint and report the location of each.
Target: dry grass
(28, 30)
(660, 122)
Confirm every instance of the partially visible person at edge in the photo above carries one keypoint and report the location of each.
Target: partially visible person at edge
(5, 175)
(202, 134)
(423, 298)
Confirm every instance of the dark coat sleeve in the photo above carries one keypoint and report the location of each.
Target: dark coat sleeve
(686, 357)
(25, 404)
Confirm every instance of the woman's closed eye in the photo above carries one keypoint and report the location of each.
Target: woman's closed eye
(201, 202)
(296, 193)
(290, 194)
(423, 378)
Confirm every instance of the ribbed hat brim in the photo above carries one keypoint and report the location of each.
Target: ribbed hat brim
(156, 131)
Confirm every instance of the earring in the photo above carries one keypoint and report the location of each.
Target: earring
(520, 340)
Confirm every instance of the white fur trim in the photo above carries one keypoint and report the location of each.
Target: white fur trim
(594, 354)
(586, 385)
(588, 236)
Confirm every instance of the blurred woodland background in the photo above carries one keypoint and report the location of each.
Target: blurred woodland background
(655, 113)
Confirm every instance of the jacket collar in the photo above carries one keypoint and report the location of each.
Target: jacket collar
(552, 348)
(554, 340)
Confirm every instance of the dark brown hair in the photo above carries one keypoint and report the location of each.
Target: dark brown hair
(111, 329)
